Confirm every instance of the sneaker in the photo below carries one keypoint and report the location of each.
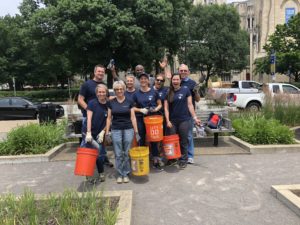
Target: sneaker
(119, 180)
(190, 161)
(157, 166)
(182, 164)
(101, 177)
(126, 179)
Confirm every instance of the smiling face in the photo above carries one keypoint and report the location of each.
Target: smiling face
(101, 93)
(183, 71)
(176, 81)
(99, 73)
(144, 81)
(130, 81)
(119, 91)
(159, 81)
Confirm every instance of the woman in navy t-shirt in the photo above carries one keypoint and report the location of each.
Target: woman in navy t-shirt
(121, 119)
(146, 102)
(178, 112)
(96, 123)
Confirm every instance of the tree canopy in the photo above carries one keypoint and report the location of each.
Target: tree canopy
(214, 41)
(286, 43)
(54, 39)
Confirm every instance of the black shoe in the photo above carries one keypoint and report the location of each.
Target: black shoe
(157, 166)
(182, 164)
(171, 162)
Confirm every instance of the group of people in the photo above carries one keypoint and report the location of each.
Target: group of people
(119, 119)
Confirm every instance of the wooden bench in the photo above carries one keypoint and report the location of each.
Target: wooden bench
(226, 122)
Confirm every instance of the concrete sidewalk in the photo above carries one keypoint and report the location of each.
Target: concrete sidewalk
(217, 190)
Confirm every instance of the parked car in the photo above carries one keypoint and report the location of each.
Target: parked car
(22, 108)
(254, 101)
(242, 86)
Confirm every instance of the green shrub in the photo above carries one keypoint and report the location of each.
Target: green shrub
(283, 108)
(33, 139)
(257, 129)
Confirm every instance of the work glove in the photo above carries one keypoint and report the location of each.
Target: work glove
(144, 111)
(100, 136)
(108, 138)
(153, 109)
(137, 137)
(88, 137)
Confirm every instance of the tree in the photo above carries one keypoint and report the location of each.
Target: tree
(286, 43)
(215, 43)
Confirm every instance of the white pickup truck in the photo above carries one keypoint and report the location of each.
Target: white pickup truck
(254, 101)
(242, 86)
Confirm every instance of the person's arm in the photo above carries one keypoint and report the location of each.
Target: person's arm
(89, 120)
(167, 115)
(192, 111)
(114, 73)
(197, 95)
(108, 121)
(81, 102)
(133, 120)
(165, 68)
(159, 105)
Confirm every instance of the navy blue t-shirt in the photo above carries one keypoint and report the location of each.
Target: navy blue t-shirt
(129, 95)
(121, 114)
(178, 109)
(162, 93)
(145, 99)
(87, 90)
(99, 116)
(190, 84)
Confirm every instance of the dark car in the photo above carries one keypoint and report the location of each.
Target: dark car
(22, 108)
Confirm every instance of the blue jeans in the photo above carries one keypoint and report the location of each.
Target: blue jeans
(101, 156)
(191, 149)
(122, 140)
(83, 131)
(142, 133)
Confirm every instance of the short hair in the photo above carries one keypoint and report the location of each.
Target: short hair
(98, 65)
(119, 83)
(101, 86)
(130, 76)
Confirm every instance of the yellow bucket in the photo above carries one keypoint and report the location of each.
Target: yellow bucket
(139, 160)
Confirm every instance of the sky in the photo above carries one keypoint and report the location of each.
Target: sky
(11, 6)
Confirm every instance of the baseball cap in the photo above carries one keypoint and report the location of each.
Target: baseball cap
(144, 74)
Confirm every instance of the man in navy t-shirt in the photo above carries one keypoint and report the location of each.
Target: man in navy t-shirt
(191, 85)
(87, 93)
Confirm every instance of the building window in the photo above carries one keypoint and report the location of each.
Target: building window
(289, 12)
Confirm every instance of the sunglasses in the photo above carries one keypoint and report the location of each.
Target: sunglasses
(159, 80)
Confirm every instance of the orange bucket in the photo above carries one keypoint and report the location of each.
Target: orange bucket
(171, 146)
(85, 161)
(154, 128)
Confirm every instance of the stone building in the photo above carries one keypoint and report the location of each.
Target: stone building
(260, 18)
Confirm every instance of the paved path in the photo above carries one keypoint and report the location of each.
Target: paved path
(217, 190)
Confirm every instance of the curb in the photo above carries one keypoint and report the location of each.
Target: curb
(124, 205)
(258, 149)
(284, 194)
(15, 159)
